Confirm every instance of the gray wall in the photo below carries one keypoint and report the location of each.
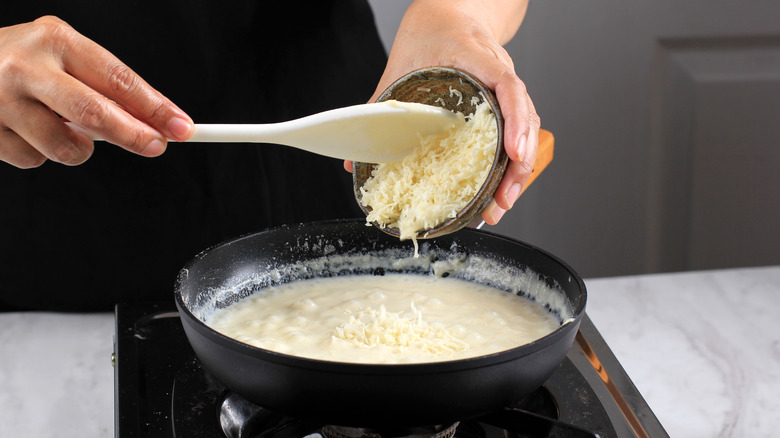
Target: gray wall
(666, 118)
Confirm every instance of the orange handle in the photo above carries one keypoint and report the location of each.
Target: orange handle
(544, 156)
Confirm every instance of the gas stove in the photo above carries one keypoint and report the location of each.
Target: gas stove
(161, 390)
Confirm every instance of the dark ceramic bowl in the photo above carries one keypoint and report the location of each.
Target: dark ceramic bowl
(432, 86)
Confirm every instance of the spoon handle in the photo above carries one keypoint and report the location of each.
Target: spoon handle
(241, 133)
(221, 133)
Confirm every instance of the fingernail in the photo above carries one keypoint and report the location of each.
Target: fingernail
(521, 145)
(513, 193)
(179, 127)
(493, 213)
(497, 214)
(68, 154)
(154, 148)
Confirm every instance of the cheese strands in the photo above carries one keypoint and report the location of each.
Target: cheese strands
(436, 181)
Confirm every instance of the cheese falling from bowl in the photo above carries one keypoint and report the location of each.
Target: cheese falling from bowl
(436, 181)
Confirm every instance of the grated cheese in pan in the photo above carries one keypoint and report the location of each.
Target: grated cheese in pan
(399, 331)
(436, 181)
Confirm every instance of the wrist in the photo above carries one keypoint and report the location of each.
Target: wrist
(499, 18)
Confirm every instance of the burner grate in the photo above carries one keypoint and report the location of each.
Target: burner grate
(418, 432)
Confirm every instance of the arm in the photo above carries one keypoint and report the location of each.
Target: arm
(48, 69)
(469, 35)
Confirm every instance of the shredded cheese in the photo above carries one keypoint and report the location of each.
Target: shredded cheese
(436, 181)
(400, 331)
(454, 92)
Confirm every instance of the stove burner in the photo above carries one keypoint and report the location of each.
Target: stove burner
(417, 432)
(535, 415)
(240, 418)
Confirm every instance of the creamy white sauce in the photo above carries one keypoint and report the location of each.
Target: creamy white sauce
(395, 318)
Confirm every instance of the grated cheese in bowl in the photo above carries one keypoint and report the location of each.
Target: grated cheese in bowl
(436, 181)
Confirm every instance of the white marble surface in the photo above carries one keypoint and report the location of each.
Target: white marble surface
(702, 347)
(56, 378)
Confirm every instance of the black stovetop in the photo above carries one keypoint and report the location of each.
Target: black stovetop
(161, 390)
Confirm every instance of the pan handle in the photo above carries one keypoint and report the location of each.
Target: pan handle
(543, 157)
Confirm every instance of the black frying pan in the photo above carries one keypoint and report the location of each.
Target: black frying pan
(366, 395)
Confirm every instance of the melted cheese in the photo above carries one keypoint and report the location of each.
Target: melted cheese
(436, 181)
(396, 318)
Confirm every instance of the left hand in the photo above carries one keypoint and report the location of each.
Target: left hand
(469, 35)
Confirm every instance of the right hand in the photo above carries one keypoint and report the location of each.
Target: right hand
(49, 73)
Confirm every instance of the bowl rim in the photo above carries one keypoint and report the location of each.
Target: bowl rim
(496, 173)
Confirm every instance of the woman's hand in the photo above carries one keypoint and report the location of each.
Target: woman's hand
(469, 35)
(50, 73)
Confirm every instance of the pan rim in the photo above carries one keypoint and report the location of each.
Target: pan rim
(303, 362)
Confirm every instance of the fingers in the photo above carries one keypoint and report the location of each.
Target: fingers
(98, 114)
(521, 141)
(50, 68)
(16, 151)
(19, 152)
(520, 116)
(27, 141)
(107, 75)
(514, 182)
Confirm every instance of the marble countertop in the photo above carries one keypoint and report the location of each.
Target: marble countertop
(702, 347)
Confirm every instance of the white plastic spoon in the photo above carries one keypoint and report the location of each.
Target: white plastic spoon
(370, 133)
